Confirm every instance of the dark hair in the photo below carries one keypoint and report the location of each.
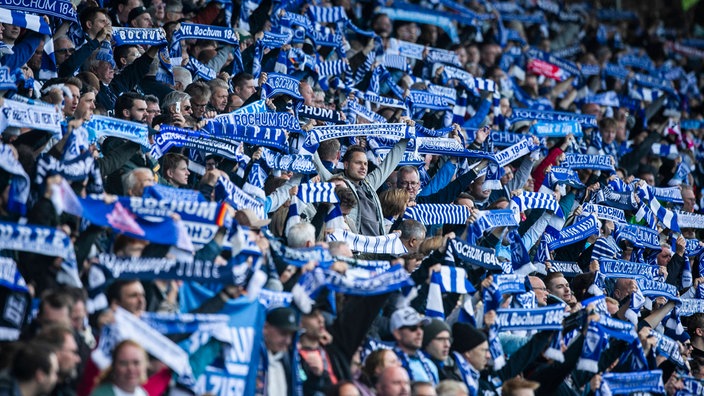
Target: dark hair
(328, 149)
(114, 292)
(121, 52)
(29, 358)
(89, 13)
(239, 79)
(198, 89)
(355, 148)
(171, 161)
(57, 300)
(151, 99)
(346, 196)
(125, 102)
(54, 335)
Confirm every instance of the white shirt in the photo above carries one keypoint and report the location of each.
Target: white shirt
(276, 375)
(137, 392)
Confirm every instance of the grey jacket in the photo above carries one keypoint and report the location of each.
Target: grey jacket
(370, 183)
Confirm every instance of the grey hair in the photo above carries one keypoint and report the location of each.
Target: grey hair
(172, 98)
(299, 234)
(130, 179)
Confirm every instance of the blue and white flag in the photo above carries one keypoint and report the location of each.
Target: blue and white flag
(666, 216)
(447, 280)
(233, 195)
(430, 214)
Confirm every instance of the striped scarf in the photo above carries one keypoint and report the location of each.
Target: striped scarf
(666, 216)
(447, 280)
(317, 192)
(384, 244)
(430, 214)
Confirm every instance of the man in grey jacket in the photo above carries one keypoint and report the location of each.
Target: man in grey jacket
(367, 218)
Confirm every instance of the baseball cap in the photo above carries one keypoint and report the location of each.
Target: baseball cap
(407, 316)
(283, 318)
(135, 12)
(248, 218)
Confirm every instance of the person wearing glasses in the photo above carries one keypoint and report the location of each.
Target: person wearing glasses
(437, 338)
(407, 328)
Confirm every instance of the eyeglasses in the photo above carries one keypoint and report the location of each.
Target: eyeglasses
(187, 108)
(65, 51)
(541, 288)
(412, 328)
(409, 184)
(444, 339)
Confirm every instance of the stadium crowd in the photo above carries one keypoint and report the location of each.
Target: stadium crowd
(351, 197)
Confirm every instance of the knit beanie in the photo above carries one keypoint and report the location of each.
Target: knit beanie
(466, 337)
(432, 329)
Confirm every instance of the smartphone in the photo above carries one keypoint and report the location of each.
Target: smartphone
(177, 107)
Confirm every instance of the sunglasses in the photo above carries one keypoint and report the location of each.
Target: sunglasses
(65, 51)
(412, 328)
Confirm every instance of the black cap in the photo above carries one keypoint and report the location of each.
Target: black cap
(466, 337)
(283, 318)
(135, 12)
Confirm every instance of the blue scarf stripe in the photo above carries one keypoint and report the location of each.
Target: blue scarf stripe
(430, 214)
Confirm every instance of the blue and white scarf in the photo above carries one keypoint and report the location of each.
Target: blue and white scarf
(448, 280)
(170, 137)
(666, 216)
(588, 161)
(34, 116)
(128, 326)
(262, 119)
(544, 129)
(537, 200)
(690, 220)
(490, 219)
(569, 269)
(317, 192)
(206, 32)
(653, 288)
(138, 36)
(389, 131)
(62, 9)
(605, 212)
(321, 114)
(200, 70)
(581, 230)
(430, 214)
(627, 269)
(422, 16)
(19, 181)
(100, 126)
(281, 84)
(273, 137)
(544, 318)
(627, 383)
(621, 200)
(384, 244)
(690, 306)
(161, 192)
(594, 343)
(585, 120)
(668, 348)
(46, 241)
(458, 252)
(302, 164)
(310, 284)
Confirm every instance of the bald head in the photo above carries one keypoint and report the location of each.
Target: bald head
(393, 381)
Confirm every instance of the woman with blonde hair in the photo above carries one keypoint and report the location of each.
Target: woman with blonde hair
(126, 374)
(393, 205)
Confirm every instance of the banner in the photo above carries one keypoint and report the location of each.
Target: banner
(640, 237)
(272, 137)
(390, 131)
(281, 84)
(569, 269)
(653, 288)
